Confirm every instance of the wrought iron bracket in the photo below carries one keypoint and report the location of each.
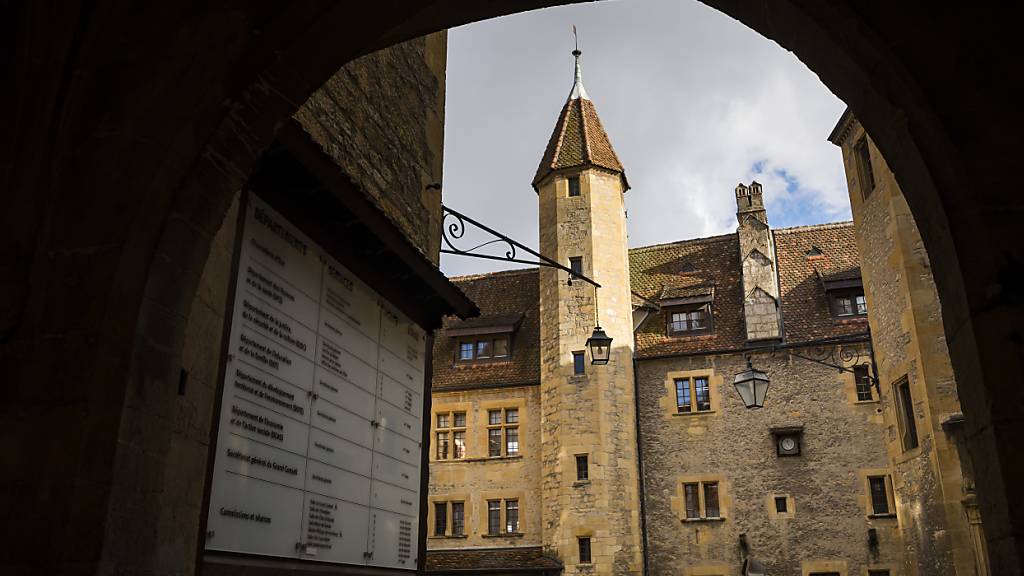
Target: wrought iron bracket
(835, 355)
(453, 227)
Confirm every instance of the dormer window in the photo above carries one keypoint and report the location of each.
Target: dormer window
(689, 319)
(849, 302)
(483, 348)
(486, 339)
(688, 310)
(845, 292)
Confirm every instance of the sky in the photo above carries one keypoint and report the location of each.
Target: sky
(693, 102)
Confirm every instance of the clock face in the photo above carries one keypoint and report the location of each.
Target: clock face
(788, 444)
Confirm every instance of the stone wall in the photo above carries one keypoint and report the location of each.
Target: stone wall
(477, 478)
(402, 88)
(907, 330)
(592, 413)
(381, 118)
(827, 519)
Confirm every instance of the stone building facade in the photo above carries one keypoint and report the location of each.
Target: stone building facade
(805, 485)
(932, 478)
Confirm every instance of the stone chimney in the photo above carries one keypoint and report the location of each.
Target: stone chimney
(757, 259)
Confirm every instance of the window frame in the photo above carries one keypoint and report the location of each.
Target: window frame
(474, 344)
(705, 307)
(494, 526)
(852, 294)
(865, 170)
(576, 266)
(583, 543)
(582, 472)
(441, 518)
(905, 416)
(504, 424)
(450, 432)
(569, 180)
(689, 391)
(509, 527)
(890, 500)
(458, 529)
(579, 363)
(696, 494)
(862, 383)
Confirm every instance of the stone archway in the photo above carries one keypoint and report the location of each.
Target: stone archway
(131, 131)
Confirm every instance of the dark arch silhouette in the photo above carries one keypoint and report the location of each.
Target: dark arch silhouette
(129, 130)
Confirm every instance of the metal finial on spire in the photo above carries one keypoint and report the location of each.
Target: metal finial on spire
(578, 91)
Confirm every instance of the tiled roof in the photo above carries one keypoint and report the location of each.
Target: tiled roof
(676, 270)
(578, 141)
(502, 296)
(490, 560)
(690, 266)
(805, 311)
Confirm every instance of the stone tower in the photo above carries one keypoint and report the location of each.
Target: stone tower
(581, 183)
(757, 255)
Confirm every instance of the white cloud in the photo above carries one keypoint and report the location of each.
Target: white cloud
(691, 99)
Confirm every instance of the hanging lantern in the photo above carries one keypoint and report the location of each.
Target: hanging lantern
(600, 345)
(752, 384)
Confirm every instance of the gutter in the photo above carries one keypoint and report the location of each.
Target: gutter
(640, 468)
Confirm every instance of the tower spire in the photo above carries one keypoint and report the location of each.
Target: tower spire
(578, 91)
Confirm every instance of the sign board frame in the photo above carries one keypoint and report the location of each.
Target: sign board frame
(206, 556)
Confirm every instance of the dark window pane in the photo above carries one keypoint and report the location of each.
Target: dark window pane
(512, 516)
(867, 172)
(442, 445)
(703, 393)
(494, 442)
(860, 377)
(780, 504)
(578, 363)
(511, 441)
(460, 419)
(582, 467)
(905, 414)
(678, 322)
(574, 185)
(493, 517)
(442, 420)
(683, 395)
(483, 348)
(494, 417)
(440, 518)
(882, 572)
(584, 550)
(698, 319)
(879, 498)
(692, 500)
(458, 519)
(576, 265)
(861, 303)
(466, 351)
(512, 416)
(500, 347)
(460, 444)
(711, 500)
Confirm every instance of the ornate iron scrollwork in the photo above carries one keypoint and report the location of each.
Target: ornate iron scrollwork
(841, 355)
(453, 228)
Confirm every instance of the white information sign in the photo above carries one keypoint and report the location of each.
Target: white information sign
(319, 445)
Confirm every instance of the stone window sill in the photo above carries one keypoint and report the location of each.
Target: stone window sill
(483, 459)
(714, 519)
(579, 483)
(891, 515)
(503, 535)
(850, 320)
(448, 537)
(697, 413)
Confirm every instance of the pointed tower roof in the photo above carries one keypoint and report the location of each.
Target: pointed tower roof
(579, 139)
